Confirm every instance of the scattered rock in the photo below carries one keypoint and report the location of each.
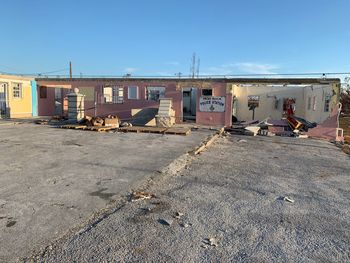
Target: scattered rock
(185, 225)
(165, 222)
(211, 241)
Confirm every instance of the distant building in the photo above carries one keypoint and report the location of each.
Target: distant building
(17, 97)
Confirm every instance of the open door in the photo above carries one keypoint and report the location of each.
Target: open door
(3, 100)
(189, 104)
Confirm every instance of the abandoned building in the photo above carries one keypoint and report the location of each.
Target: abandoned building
(203, 101)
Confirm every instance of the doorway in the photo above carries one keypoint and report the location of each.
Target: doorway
(58, 102)
(189, 104)
(3, 100)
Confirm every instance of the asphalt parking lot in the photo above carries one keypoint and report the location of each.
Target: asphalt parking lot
(229, 205)
(53, 180)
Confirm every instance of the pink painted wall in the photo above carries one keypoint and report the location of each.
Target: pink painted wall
(216, 118)
(123, 110)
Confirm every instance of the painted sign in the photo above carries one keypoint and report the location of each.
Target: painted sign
(212, 104)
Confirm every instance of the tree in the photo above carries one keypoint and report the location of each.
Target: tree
(345, 96)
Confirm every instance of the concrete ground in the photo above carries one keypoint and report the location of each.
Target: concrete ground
(232, 200)
(52, 180)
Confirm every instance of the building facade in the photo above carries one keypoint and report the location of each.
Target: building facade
(17, 97)
(203, 101)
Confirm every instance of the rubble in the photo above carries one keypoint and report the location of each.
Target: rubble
(290, 126)
(137, 196)
(108, 121)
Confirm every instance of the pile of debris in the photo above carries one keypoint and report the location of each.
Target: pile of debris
(290, 126)
(108, 121)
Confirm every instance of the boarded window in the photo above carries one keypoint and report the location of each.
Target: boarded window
(133, 93)
(17, 90)
(155, 93)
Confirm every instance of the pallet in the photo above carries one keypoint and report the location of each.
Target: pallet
(87, 128)
(99, 128)
(139, 129)
(159, 130)
(178, 131)
(73, 126)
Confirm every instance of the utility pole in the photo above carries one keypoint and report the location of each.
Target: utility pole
(193, 66)
(198, 64)
(70, 70)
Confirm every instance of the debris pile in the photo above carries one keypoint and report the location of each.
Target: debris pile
(290, 126)
(108, 121)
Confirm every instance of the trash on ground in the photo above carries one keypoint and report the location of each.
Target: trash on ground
(165, 221)
(288, 199)
(137, 196)
(178, 215)
(211, 241)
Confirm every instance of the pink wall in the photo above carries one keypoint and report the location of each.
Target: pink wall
(216, 118)
(123, 110)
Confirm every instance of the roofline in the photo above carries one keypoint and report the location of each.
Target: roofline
(296, 81)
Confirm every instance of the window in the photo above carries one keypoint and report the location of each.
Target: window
(314, 103)
(118, 94)
(17, 90)
(107, 94)
(113, 94)
(309, 103)
(327, 101)
(207, 92)
(133, 93)
(155, 93)
(43, 92)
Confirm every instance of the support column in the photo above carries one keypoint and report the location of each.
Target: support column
(75, 106)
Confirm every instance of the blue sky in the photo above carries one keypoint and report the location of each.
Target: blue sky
(158, 37)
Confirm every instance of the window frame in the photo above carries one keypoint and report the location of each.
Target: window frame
(137, 92)
(16, 85)
(117, 98)
(327, 103)
(105, 95)
(160, 92)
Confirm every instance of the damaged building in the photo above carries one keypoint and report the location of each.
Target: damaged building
(204, 101)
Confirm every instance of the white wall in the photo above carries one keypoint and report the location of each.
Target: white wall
(269, 94)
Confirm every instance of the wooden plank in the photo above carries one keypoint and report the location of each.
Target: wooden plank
(178, 131)
(73, 126)
(143, 129)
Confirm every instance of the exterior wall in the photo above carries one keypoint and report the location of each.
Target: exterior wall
(320, 92)
(94, 104)
(18, 107)
(216, 118)
(268, 107)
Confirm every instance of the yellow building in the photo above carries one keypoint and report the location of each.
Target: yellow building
(17, 96)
